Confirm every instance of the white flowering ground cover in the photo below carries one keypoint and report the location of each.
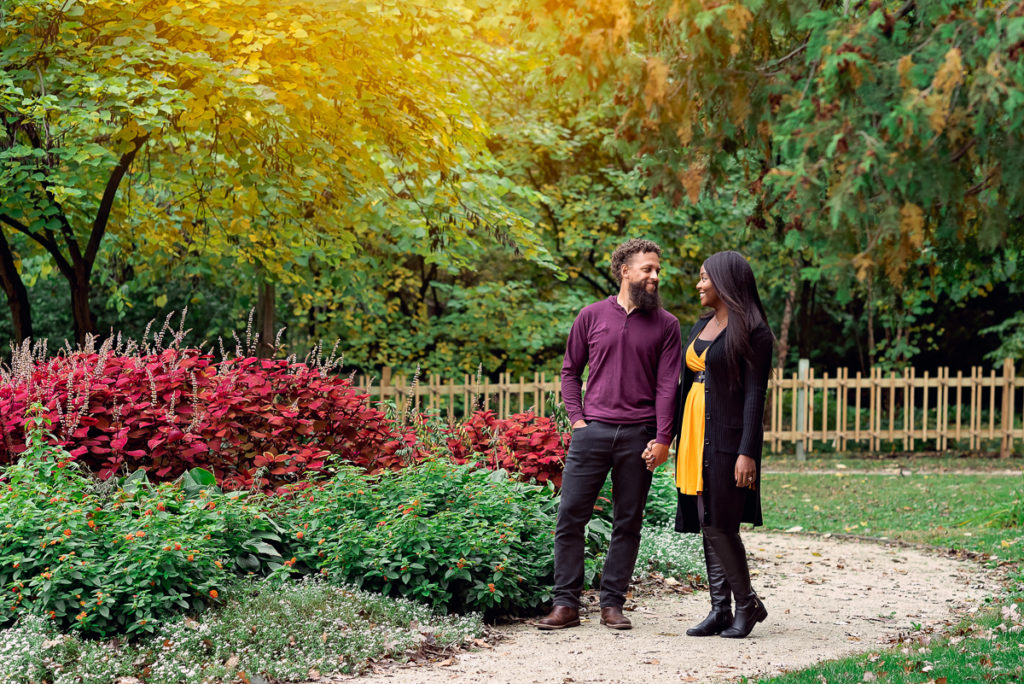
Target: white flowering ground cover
(665, 551)
(280, 633)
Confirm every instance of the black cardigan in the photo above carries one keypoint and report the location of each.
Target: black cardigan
(733, 425)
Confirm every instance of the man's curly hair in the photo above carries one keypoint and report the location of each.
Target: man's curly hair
(625, 252)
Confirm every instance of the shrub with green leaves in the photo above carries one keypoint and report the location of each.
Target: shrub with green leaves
(451, 536)
(108, 559)
(661, 502)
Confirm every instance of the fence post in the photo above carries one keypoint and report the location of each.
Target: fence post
(1006, 445)
(385, 380)
(803, 367)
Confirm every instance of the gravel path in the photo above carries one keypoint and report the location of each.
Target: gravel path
(826, 598)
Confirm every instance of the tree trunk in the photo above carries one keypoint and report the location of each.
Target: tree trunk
(871, 326)
(17, 294)
(787, 320)
(265, 320)
(85, 322)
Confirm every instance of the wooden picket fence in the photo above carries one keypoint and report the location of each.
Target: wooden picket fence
(976, 411)
(457, 400)
(842, 411)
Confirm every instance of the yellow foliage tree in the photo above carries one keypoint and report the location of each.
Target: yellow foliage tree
(251, 131)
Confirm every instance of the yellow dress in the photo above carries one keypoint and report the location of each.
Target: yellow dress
(689, 479)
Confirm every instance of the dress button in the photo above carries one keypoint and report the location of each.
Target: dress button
(708, 416)
(707, 441)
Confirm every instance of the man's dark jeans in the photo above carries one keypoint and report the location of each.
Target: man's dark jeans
(594, 450)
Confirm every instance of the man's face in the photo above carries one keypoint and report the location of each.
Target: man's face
(640, 274)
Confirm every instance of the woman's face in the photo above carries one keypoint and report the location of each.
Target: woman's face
(706, 290)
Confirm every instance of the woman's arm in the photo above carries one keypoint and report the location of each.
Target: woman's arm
(755, 387)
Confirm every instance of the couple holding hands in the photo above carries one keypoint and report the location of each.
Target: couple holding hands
(638, 403)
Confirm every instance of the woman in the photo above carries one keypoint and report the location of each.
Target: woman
(727, 360)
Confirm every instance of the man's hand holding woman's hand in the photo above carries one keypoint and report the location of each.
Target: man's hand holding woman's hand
(655, 454)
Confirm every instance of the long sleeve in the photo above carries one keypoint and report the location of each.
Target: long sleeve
(670, 362)
(577, 354)
(755, 387)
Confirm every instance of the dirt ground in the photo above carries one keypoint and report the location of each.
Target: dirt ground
(826, 598)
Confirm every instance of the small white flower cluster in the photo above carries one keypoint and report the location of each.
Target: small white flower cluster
(21, 647)
(31, 651)
(675, 555)
(278, 633)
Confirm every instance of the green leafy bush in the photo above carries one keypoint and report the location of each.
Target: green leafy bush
(107, 559)
(661, 502)
(449, 535)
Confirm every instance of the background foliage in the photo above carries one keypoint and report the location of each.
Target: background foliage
(450, 204)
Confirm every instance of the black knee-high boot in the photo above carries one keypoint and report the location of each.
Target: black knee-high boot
(720, 617)
(733, 557)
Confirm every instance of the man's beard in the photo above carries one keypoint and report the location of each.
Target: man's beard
(642, 299)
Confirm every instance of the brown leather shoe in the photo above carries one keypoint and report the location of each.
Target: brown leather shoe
(560, 617)
(612, 617)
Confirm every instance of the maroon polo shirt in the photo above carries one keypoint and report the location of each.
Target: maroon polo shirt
(634, 364)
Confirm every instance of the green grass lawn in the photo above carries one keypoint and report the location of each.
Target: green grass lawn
(935, 502)
(912, 462)
(973, 512)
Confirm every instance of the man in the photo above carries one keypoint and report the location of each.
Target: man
(633, 348)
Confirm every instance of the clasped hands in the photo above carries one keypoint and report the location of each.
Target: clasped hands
(655, 454)
(745, 472)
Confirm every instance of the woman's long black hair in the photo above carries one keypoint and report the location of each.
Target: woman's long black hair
(734, 282)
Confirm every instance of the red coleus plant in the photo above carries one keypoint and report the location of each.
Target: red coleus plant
(524, 443)
(253, 422)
